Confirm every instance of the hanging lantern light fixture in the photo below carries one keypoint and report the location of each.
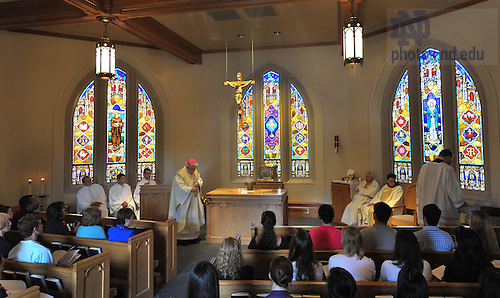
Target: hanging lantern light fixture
(105, 52)
(352, 34)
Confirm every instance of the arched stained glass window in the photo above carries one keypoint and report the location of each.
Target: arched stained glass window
(116, 125)
(401, 133)
(245, 136)
(299, 134)
(470, 131)
(430, 89)
(83, 136)
(146, 133)
(271, 104)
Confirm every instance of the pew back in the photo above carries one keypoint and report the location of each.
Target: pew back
(31, 292)
(86, 278)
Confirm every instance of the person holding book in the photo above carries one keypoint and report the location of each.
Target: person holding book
(29, 250)
(90, 227)
(122, 231)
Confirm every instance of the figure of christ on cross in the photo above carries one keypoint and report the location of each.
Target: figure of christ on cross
(239, 85)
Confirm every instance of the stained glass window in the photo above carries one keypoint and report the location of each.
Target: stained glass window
(83, 136)
(146, 133)
(271, 105)
(430, 89)
(401, 136)
(245, 136)
(116, 125)
(299, 134)
(470, 131)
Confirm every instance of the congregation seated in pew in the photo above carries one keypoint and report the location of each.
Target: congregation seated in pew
(122, 231)
(29, 250)
(480, 222)
(411, 284)
(326, 236)
(340, 283)
(90, 227)
(430, 237)
(268, 239)
(54, 223)
(203, 281)
(305, 266)
(5, 246)
(379, 236)
(280, 274)
(229, 262)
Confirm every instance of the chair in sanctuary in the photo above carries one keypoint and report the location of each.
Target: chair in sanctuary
(408, 216)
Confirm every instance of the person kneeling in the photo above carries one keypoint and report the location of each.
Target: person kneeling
(122, 231)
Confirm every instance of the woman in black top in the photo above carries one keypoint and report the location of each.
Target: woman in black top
(54, 223)
(469, 260)
(5, 246)
(268, 239)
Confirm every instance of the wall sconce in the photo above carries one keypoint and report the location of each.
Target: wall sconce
(337, 144)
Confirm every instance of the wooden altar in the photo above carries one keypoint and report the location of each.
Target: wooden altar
(155, 200)
(342, 192)
(231, 211)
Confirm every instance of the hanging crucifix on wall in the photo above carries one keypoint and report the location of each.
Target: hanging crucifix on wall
(239, 85)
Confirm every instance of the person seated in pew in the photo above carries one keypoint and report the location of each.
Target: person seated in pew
(489, 283)
(352, 258)
(55, 224)
(28, 205)
(380, 236)
(411, 284)
(5, 246)
(480, 222)
(203, 281)
(407, 254)
(122, 231)
(430, 237)
(229, 262)
(326, 236)
(305, 266)
(268, 239)
(280, 274)
(90, 227)
(470, 258)
(340, 283)
(8, 210)
(29, 250)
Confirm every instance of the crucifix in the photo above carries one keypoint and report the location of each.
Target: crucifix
(239, 85)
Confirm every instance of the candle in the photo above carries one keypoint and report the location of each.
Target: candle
(29, 186)
(43, 186)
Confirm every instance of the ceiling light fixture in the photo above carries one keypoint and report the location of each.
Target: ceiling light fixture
(277, 32)
(105, 52)
(352, 34)
(240, 35)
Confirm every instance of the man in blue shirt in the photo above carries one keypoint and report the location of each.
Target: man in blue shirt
(29, 250)
(121, 233)
(431, 238)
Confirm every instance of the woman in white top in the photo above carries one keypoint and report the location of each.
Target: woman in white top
(353, 257)
(305, 266)
(406, 254)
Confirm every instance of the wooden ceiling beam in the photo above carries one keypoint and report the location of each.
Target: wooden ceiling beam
(161, 37)
(33, 13)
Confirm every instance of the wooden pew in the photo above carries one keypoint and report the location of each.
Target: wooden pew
(31, 292)
(165, 244)
(86, 278)
(364, 289)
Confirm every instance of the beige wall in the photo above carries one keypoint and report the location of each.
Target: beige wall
(40, 76)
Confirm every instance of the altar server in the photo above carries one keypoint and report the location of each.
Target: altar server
(91, 195)
(120, 196)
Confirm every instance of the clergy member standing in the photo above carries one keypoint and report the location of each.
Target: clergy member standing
(391, 194)
(365, 191)
(185, 201)
(91, 195)
(146, 174)
(120, 196)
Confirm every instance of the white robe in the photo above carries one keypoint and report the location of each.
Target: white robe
(186, 206)
(395, 195)
(438, 184)
(90, 194)
(364, 193)
(137, 196)
(119, 194)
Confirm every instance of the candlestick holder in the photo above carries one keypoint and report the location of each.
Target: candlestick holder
(42, 200)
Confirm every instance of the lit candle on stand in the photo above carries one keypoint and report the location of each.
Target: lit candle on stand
(43, 186)
(29, 186)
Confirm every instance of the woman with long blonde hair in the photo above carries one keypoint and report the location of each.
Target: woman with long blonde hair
(480, 222)
(229, 262)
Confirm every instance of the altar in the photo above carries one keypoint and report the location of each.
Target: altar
(232, 211)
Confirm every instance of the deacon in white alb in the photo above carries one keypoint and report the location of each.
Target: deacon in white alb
(120, 196)
(365, 191)
(146, 174)
(185, 201)
(91, 195)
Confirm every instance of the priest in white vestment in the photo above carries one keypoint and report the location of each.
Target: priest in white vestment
(120, 196)
(91, 195)
(391, 194)
(146, 174)
(185, 201)
(365, 191)
(438, 184)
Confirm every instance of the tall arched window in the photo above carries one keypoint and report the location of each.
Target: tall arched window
(124, 152)
(467, 127)
(285, 128)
